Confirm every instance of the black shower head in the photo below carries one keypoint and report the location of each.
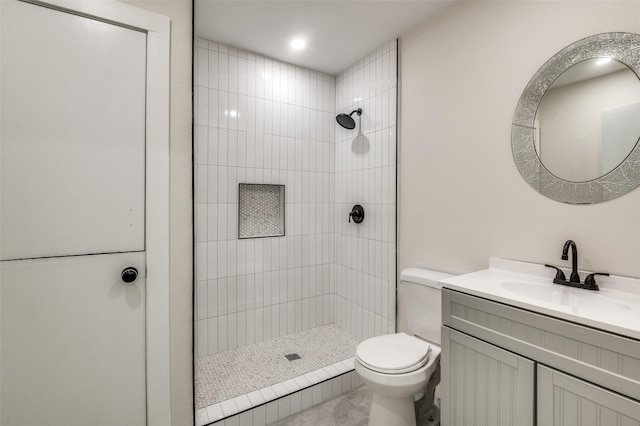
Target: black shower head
(346, 121)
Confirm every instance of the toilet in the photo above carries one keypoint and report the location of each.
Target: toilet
(403, 368)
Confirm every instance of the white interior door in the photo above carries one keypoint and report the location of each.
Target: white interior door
(73, 341)
(73, 129)
(72, 218)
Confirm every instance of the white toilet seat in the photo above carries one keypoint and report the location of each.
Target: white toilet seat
(393, 353)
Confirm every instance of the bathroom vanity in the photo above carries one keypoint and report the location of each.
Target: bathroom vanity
(518, 350)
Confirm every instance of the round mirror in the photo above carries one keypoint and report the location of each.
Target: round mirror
(589, 120)
(577, 125)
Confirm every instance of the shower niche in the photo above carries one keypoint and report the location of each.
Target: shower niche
(260, 210)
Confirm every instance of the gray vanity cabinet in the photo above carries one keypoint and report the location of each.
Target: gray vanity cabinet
(564, 400)
(502, 365)
(488, 385)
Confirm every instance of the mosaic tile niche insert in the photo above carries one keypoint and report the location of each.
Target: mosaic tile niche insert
(260, 210)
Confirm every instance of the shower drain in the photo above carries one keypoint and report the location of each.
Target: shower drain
(292, 357)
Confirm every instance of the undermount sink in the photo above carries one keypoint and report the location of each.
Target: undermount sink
(566, 296)
(615, 308)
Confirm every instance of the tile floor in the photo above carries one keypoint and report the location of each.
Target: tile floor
(350, 409)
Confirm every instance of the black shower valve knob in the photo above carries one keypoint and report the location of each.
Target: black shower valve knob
(357, 214)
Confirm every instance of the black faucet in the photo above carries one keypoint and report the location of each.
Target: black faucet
(575, 277)
(574, 280)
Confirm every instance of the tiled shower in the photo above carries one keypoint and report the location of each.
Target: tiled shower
(262, 121)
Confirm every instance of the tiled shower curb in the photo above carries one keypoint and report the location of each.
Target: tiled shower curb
(276, 402)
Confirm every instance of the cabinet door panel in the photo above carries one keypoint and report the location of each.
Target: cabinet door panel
(564, 400)
(484, 385)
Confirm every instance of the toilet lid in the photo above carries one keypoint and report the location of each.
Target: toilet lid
(393, 353)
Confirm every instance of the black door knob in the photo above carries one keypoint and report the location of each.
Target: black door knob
(129, 274)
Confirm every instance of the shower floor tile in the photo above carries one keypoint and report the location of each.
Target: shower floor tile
(241, 371)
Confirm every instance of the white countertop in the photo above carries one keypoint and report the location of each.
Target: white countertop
(615, 308)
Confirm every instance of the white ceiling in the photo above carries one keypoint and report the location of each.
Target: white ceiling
(338, 32)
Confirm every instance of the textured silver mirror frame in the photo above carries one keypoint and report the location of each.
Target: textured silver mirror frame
(623, 47)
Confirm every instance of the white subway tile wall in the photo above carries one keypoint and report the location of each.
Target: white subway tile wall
(365, 174)
(259, 120)
(262, 121)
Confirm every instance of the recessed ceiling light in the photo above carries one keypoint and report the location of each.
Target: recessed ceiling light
(298, 44)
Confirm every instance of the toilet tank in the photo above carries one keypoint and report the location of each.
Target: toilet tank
(422, 301)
